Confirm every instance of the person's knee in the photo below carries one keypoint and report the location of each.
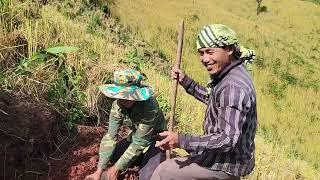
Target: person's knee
(158, 173)
(146, 173)
(166, 168)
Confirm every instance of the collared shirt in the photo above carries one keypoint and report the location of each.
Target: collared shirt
(230, 122)
(145, 119)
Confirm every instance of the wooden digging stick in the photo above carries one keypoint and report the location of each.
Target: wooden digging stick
(175, 82)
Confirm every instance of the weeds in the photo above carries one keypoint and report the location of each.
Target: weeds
(164, 103)
(284, 73)
(261, 9)
(67, 77)
(94, 24)
(65, 92)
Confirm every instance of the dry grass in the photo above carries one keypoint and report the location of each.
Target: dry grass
(286, 74)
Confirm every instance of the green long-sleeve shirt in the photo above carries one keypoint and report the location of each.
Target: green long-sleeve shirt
(145, 119)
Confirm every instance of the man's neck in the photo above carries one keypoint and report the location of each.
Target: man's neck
(216, 78)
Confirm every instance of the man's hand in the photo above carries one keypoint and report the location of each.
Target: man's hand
(177, 73)
(112, 173)
(170, 140)
(95, 176)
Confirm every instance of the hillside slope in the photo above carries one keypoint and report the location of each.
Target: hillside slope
(286, 72)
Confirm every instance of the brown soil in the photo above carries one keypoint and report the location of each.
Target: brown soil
(36, 145)
(82, 158)
(25, 135)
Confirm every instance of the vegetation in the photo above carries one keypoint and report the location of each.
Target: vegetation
(60, 51)
(285, 73)
(315, 1)
(70, 48)
(260, 8)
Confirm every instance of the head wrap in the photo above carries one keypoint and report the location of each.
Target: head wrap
(218, 36)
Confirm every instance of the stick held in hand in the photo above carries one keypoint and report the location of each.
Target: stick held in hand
(175, 82)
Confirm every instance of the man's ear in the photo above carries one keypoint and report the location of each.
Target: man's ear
(230, 50)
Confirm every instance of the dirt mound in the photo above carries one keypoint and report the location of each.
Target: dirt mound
(35, 145)
(25, 136)
(82, 156)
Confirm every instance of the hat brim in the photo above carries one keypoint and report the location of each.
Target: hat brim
(135, 93)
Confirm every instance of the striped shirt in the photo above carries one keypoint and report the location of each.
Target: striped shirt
(230, 122)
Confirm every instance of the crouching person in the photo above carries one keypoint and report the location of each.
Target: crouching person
(136, 107)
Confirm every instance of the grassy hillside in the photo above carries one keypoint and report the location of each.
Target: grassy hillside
(66, 81)
(315, 1)
(286, 72)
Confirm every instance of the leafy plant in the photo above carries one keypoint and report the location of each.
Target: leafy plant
(26, 65)
(134, 59)
(65, 92)
(163, 103)
(278, 90)
(94, 24)
(61, 49)
(289, 78)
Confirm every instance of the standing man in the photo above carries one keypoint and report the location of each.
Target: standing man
(136, 107)
(226, 150)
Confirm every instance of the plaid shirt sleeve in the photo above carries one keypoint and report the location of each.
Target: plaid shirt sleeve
(193, 88)
(232, 103)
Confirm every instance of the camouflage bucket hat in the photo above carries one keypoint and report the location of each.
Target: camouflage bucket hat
(127, 85)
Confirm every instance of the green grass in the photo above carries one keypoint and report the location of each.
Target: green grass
(285, 74)
(314, 1)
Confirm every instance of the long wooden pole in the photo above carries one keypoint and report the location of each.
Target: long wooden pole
(175, 82)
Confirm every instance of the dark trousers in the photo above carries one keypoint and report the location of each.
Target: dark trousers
(147, 162)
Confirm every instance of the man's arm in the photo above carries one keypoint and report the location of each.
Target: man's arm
(108, 142)
(233, 105)
(193, 88)
(140, 140)
(199, 92)
(142, 137)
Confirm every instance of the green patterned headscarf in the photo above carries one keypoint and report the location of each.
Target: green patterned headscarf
(127, 85)
(219, 35)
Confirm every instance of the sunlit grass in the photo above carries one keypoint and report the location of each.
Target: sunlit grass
(286, 41)
(286, 74)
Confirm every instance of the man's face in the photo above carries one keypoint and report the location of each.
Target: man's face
(125, 103)
(215, 59)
